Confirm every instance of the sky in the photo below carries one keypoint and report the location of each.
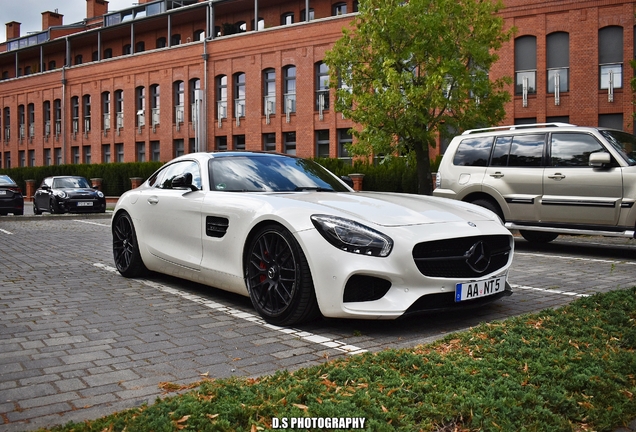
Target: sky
(29, 12)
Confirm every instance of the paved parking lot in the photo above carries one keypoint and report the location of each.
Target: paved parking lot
(78, 341)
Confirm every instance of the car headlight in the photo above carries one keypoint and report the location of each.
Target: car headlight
(60, 194)
(351, 236)
(100, 194)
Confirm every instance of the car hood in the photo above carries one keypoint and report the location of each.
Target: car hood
(392, 209)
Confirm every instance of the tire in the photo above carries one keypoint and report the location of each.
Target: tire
(538, 236)
(53, 208)
(278, 278)
(36, 210)
(490, 205)
(126, 248)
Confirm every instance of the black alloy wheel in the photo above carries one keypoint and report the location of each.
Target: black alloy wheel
(53, 208)
(278, 278)
(125, 247)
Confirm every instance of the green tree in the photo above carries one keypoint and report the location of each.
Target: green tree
(408, 71)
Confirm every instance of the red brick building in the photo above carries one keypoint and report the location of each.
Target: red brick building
(167, 77)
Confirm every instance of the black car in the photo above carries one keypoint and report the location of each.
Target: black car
(68, 194)
(11, 199)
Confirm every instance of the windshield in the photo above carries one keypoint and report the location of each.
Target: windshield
(624, 142)
(70, 182)
(270, 173)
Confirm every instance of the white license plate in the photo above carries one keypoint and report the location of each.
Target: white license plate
(84, 203)
(2, 192)
(477, 289)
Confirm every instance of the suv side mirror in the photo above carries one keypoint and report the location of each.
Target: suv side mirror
(347, 180)
(599, 159)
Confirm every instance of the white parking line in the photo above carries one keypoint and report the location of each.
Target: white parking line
(551, 291)
(6, 232)
(91, 223)
(576, 258)
(307, 336)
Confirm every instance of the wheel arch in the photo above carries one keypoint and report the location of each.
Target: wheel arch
(503, 209)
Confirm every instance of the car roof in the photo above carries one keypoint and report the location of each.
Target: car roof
(531, 128)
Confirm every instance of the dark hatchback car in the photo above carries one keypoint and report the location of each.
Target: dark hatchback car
(68, 194)
(11, 199)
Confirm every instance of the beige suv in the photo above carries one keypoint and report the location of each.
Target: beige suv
(546, 179)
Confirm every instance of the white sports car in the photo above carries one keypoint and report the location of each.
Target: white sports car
(300, 242)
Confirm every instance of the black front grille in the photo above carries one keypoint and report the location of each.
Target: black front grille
(450, 258)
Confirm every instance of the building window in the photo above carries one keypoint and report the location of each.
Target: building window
(141, 151)
(289, 143)
(558, 61)
(6, 117)
(106, 153)
(220, 143)
(78, 59)
(289, 73)
(47, 157)
(239, 142)
(175, 39)
(7, 160)
(155, 104)
(179, 148)
(106, 111)
(86, 104)
(221, 96)
(52, 65)
(21, 122)
(287, 18)
(140, 47)
(261, 24)
(21, 158)
(322, 143)
(127, 49)
(356, 5)
(161, 42)
(179, 102)
(339, 9)
(199, 35)
(119, 108)
(95, 56)
(108, 53)
(269, 142)
(613, 121)
(119, 152)
(269, 91)
(196, 99)
(87, 154)
(155, 149)
(239, 94)
(57, 113)
(344, 139)
(322, 86)
(526, 64)
(46, 111)
(31, 120)
(610, 57)
(75, 155)
(303, 15)
(31, 158)
(75, 114)
(140, 106)
(58, 156)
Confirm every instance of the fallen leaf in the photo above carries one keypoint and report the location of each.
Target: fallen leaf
(301, 406)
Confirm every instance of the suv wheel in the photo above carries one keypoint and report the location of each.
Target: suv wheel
(538, 236)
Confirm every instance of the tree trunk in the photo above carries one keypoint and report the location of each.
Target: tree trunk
(424, 178)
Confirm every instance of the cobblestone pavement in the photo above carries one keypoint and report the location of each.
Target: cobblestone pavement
(78, 341)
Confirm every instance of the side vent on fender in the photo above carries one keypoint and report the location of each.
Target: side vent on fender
(216, 226)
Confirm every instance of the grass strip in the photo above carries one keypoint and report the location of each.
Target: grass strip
(566, 369)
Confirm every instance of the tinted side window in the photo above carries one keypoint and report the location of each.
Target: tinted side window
(573, 149)
(526, 150)
(164, 179)
(473, 152)
(502, 149)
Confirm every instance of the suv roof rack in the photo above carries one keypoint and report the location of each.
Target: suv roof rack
(514, 127)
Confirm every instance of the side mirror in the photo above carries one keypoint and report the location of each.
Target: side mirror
(347, 180)
(46, 187)
(599, 159)
(183, 181)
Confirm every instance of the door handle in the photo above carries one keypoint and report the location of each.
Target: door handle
(153, 200)
(556, 176)
(498, 174)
